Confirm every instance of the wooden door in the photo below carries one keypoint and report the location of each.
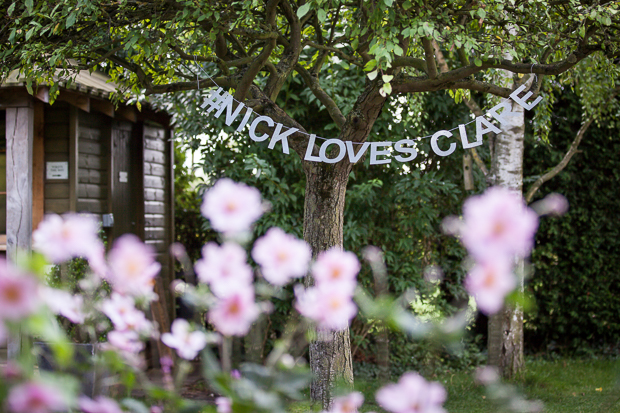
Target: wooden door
(124, 180)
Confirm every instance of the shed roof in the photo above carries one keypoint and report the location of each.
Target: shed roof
(95, 83)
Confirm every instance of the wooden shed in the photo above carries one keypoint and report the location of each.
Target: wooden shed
(83, 154)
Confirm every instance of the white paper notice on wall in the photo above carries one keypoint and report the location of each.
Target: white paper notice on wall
(57, 170)
(122, 176)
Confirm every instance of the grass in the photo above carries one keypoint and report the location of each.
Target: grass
(564, 386)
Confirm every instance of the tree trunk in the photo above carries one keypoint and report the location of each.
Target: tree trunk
(506, 327)
(330, 352)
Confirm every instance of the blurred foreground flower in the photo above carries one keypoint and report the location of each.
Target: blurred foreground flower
(60, 239)
(234, 314)
(224, 267)
(347, 404)
(187, 343)
(489, 282)
(232, 207)
(498, 223)
(18, 293)
(331, 308)
(99, 405)
(35, 397)
(132, 267)
(412, 394)
(281, 256)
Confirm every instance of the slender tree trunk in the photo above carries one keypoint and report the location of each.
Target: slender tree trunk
(330, 352)
(506, 327)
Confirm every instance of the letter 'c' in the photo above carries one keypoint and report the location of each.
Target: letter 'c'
(253, 128)
(435, 147)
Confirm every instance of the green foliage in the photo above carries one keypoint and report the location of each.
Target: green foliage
(576, 277)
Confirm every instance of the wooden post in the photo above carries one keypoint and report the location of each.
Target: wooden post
(38, 165)
(19, 142)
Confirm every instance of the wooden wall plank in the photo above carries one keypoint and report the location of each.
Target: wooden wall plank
(154, 220)
(154, 207)
(56, 206)
(154, 132)
(38, 164)
(56, 130)
(151, 194)
(89, 146)
(155, 233)
(57, 145)
(97, 206)
(154, 169)
(89, 132)
(155, 144)
(92, 176)
(154, 156)
(73, 157)
(57, 190)
(92, 191)
(90, 161)
(154, 182)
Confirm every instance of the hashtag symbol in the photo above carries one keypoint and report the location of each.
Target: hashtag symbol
(215, 99)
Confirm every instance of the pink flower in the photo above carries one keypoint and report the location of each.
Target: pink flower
(63, 303)
(232, 207)
(348, 404)
(336, 268)
(187, 344)
(224, 405)
(552, 204)
(19, 296)
(100, 405)
(132, 267)
(234, 314)
(489, 282)
(127, 341)
(281, 256)
(125, 316)
(331, 308)
(61, 238)
(34, 397)
(412, 394)
(498, 222)
(224, 267)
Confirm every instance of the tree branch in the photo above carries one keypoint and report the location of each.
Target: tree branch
(430, 58)
(560, 166)
(224, 82)
(289, 57)
(321, 95)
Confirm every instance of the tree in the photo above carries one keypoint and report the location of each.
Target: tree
(253, 47)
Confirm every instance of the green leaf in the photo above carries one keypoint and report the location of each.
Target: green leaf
(478, 62)
(407, 5)
(10, 9)
(388, 2)
(482, 13)
(71, 20)
(372, 75)
(387, 78)
(370, 65)
(582, 31)
(321, 15)
(29, 5)
(303, 10)
(387, 87)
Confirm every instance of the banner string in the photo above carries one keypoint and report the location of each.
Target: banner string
(299, 131)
